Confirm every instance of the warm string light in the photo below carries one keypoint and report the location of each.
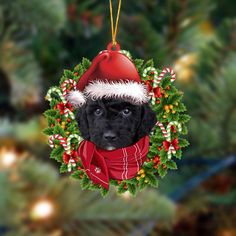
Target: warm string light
(126, 195)
(7, 158)
(42, 209)
(183, 67)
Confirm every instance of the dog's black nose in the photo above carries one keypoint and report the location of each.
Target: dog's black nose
(109, 136)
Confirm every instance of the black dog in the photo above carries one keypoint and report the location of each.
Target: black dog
(112, 123)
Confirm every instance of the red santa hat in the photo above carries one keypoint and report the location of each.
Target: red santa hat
(111, 75)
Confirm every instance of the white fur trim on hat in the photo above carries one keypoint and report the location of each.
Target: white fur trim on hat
(132, 91)
(76, 98)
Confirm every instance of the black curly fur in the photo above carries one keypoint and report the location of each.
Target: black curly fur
(125, 130)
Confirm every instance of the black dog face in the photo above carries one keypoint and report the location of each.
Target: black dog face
(111, 123)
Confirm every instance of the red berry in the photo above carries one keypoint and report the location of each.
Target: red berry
(68, 120)
(79, 168)
(148, 160)
(158, 101)
(159, 148)
(118, 181)
(58, 120)
(125, 186)
(76, 73)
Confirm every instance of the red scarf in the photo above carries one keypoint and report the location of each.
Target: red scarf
(123, 163)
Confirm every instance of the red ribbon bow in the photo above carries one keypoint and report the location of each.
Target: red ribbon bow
(73, 156)
(61, 107)
(174, 143)
(156, 91)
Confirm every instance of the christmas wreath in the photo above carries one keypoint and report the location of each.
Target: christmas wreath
(165, 139)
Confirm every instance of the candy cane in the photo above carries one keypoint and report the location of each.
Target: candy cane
(145, 72)
(55, 90)
(58, 137)
(67, 112)
(171, 151)
(68, 144)
(171, 148)
(177, 124)
(166, 70)
(71, 164)
(163, 130)
(64, 85)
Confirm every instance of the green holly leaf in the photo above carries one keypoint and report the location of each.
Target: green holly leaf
(184, 118)
(171, 165)
(142, 185)
(183, 143)
(149, 63)
(184, 130)
(178, 154)
(132, 188)
(103, 192)
(57, 153)
(76, 174)
(68, 74)
(166, 82)
(85, 182)
(59, 130)
(54, 102)
(162, 171)
(173, 98)
(120, 188)
(152, 179)
(63, 168)
(48, 131)
(180, 108)
(138, 63)
(50, 112)
(86, 63)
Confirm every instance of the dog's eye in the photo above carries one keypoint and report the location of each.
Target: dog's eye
(98, 112)
(126, 112)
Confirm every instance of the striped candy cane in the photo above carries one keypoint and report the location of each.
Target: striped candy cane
(64, 85)
(166, 70)
(55, 90)
(58, 137)
(71, 164)
(68, 143)
(163, 130)
(145, 72)
(175, 123)
(67, 112)
(171, 148)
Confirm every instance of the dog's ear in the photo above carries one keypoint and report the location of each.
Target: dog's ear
(147, 121)
(82, 121)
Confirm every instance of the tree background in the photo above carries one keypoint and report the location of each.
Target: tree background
(38, 39)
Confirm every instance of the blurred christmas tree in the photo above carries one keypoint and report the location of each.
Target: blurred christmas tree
(43, 203)
(40, 38)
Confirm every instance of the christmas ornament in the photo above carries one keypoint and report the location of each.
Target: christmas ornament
(113, 73)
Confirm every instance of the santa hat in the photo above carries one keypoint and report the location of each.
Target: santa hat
(111, 75)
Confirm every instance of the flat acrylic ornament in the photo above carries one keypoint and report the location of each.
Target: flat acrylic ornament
(122, 77)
